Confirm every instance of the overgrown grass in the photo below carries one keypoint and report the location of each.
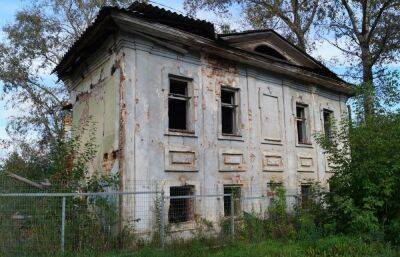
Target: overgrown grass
(332, 246)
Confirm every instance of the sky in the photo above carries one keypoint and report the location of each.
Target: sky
(8, 8)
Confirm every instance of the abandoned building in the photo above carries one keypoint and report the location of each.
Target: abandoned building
(182, 109)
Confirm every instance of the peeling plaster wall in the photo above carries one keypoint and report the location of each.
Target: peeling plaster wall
(125, 91)
(207, 149)
(95, 98)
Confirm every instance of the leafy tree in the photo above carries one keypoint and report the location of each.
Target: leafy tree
(294, 19)
(368, 34)
(33, 44)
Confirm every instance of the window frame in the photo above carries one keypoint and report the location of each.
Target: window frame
(191, 201)
(236, 201)
(305, 198)
(235, 106)
(305, 124)
(330, 117)
(188, 98)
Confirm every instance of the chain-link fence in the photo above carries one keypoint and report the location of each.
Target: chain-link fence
(46, 224)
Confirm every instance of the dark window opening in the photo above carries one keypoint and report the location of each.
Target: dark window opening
(264, 49)
(301, 123)
(235, 192)
(327, 116)
(228, 111)
(305, 196)
(181, 209)
(178, 105)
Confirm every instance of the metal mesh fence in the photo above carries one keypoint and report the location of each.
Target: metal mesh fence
(46, 224)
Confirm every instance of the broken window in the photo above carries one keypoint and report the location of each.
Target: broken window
(181, 205)
(235, 192)
(229, 110)
(327, 116)
(178, 105)
(305, 196)
(301, 120)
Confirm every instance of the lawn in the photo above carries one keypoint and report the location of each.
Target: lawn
(334, 246)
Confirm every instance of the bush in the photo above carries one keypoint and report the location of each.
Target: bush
(366, 184)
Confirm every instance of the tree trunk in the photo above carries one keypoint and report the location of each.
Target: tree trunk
(368, 89)
(301, 42)
(368, 82)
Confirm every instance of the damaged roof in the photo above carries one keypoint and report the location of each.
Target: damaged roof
(195, 34)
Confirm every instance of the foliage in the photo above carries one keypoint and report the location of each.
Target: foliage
(338, 246)
(65, 166)
(365, 186)
(31, 47)
(92, 222)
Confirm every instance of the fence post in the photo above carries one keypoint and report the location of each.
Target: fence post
(63, 203)
(232, 217)
(162, 221)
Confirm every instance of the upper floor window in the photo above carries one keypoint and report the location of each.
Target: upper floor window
(229, 113)
(327, 119)
(302, 123)
(178, 105)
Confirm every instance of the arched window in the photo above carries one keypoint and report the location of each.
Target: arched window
(264, 49)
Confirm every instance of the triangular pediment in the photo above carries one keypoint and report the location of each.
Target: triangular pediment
(270, 44)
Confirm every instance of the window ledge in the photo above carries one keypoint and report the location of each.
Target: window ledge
(232, 170)
(304, 145)
(306, 171)
(271, 142)
(183, 226)
(180, 133)
(233, 137)
(186, 170)
(275, 171)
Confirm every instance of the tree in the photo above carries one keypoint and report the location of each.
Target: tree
(34, 43)
(368, 33)
(293, 18)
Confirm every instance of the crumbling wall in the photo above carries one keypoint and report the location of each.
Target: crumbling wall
(206, 158)
(95, 98)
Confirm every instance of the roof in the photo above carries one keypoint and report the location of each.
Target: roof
(173, 19)
(323, 69)
(104, 25)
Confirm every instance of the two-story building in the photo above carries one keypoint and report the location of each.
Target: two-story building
(181, 109)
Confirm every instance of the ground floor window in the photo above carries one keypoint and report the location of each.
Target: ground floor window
(235, 191)
(181, 209)
(305, 196)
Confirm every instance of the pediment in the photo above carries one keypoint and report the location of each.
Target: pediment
(270, 44)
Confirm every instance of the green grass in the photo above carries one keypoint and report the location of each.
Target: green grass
(334, 246)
